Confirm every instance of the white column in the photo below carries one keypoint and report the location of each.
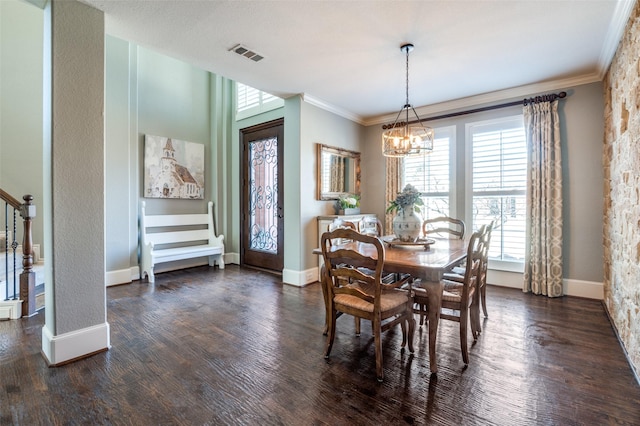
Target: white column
(76, 323)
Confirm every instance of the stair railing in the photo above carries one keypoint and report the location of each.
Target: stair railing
(27, 211)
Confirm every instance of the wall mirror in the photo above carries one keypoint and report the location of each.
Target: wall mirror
(338, 172)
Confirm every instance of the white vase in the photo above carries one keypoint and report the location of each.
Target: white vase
(407, 225)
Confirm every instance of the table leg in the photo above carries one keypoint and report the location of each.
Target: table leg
(434, 289)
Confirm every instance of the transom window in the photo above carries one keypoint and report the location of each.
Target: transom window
(251, 101)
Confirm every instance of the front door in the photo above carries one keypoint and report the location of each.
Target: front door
(262, 222)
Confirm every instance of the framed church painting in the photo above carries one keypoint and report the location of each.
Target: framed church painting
(173, 168)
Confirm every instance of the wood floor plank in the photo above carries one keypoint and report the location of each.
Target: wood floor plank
(206, 346)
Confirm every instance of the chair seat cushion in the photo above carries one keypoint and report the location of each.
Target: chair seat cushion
(389, 300)
(453, 291)
(453, 277)
(451, 297)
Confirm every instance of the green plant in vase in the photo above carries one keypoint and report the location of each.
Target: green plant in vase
(407, 225)
(409, 197)
(348, 204)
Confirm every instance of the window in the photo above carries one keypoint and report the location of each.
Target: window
(431, 174)
(251, 101)
(492, 182)
(498, 183)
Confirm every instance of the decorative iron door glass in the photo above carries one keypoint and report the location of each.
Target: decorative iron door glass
(173, 168)
(263, 195)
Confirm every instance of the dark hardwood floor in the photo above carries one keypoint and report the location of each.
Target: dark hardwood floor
(234, 346)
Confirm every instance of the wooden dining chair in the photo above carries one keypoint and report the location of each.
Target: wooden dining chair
(443, 225)
(482, 280)
(387, 278)
(457, 274)
(370, 225)
(339, 223)
(458, 298)
(364, 295)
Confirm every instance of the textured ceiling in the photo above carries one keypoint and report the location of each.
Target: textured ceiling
(346, 54)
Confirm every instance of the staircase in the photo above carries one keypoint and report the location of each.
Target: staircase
(17, 275)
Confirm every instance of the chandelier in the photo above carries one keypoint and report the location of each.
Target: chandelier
(407, 139)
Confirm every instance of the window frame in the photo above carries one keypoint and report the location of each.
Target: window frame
(499, 123)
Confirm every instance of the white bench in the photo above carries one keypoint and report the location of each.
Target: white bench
(168, 232)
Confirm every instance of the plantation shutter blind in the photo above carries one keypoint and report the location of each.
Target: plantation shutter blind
(499, 184)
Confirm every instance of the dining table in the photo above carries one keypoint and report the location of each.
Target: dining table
(426, 260)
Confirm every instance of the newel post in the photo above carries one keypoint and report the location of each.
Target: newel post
(27, 277)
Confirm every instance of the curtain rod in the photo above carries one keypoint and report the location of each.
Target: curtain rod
(542, 98)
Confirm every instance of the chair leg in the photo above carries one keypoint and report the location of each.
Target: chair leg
(377, 342)
(483, 297)
(411, 322)
(357, 320)
(325, 296)
(464, 320)
(331, 333)
(476, 328)
(422, 311)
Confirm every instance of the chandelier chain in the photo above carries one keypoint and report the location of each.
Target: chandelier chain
(407, 79)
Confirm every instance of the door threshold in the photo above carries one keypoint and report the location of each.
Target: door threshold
(269, 271)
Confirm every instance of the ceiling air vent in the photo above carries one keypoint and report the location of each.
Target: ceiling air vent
(247, 53)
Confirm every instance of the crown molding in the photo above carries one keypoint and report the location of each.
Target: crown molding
(492, 97)
(617, 26)
(424, 112)
(616, 30)
(332, 108)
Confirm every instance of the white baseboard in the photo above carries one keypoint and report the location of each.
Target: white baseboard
(10, 309)
(578, 288)
(587, 289)
(504, 278)
(76, 344)
(122, 276)
(300, 278)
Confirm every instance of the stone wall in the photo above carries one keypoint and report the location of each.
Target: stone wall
(622, 189)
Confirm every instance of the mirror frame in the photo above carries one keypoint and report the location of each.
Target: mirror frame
(323, 149)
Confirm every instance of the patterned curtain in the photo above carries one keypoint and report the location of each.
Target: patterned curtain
(394, 172)
(543, 255)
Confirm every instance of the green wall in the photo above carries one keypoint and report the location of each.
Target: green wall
(21, 59)
(150, 93)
